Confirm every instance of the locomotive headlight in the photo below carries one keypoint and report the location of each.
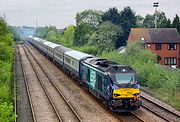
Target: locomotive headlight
(116, 95)
(136, 94)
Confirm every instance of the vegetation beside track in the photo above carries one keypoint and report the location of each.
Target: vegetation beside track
(6, 73)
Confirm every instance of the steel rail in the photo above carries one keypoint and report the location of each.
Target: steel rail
(45, 90)
(160, 107)
(28, 91)
(58, 90)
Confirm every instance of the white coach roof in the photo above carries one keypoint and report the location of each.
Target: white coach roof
(77, 55)
(51, 45)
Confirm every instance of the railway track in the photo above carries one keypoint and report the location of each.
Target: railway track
(159, 110)
(28, 92)
(67, 113)
(45, 91)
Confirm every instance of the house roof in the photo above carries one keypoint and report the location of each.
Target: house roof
(155, 35)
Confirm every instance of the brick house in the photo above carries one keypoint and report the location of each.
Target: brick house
(165, 42)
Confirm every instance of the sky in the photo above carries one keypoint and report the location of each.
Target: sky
(61, 13)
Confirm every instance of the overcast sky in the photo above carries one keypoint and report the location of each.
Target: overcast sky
(61, 13)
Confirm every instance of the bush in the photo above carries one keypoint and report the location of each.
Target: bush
(6, 112)
(93, 50)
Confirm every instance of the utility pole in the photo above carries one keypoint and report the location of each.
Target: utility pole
(155, 5)
(36, 28)
(4, 16)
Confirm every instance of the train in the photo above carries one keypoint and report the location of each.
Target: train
(115, 85)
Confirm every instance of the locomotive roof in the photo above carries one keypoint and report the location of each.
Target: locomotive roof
(62, 49)
(77, 55)
(106, 65)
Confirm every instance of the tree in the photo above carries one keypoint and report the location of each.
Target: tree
(90, 17)
(112, 15)
(16, 33)
(106, 36)
(176, 23)
(169, 25)
(82, 34)
(68, 36)
(139, 21)
(148, 21)
(127, 21)
(86, 22)
(161, 20)
(3, 28)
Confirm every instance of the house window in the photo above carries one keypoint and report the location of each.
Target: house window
(171, 46)
(158, 46)
(170, 61)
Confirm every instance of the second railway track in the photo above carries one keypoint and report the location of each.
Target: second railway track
(62, 107)
(159, 110)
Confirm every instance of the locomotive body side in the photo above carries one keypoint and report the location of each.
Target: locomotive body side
(115, 85)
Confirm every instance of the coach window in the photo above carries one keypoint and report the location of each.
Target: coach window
(68, 60)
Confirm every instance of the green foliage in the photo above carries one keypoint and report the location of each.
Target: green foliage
(16, 33)
(86, 22)
(68, 36)
(6, 112)
(6, 59)
(105, 37)
(176, 23)
(93, 50)
(162, 21)
(90, 17)
(149, 21)
(128, 21)
(139, 21)
(3, 28)
(82, 34)
(112, 15)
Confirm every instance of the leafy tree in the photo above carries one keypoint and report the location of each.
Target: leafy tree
(176, 23)
(68, 36)
(169, 25)
(90, 17)
(86, 22)
(139, 21)
(3, 28)
(112, 15)
(105, 37)
(149, 21)
(6, 59)
(16, 33)
(128, 21)
(82, 34)
(41, 32)
(161, 20)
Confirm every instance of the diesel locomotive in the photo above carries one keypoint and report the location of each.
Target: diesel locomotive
(115, 85)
